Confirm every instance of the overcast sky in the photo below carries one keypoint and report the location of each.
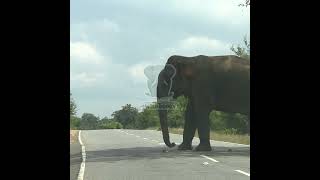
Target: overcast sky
(113, 41)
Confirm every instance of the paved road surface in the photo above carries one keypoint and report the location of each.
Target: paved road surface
(75, 160)
(137, 155)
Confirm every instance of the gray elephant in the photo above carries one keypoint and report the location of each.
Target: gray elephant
(219, 83)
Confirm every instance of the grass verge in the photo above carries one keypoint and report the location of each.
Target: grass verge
(215, 135)
(73, 136)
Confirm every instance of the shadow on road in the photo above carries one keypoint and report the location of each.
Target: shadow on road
(137, 153)
(75, 158)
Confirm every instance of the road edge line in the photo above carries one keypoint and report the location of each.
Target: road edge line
(83, 163)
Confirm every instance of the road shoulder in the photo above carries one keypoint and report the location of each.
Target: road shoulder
(75, 158)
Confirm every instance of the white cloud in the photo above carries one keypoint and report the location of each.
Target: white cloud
(196, 45)
(224, 11)
(84, 30)
(88, 65)
(84, 52)
(107, 25)
(85, 79)
(199, 43)
(137, 72)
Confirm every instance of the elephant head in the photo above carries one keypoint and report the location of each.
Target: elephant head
(173, 81)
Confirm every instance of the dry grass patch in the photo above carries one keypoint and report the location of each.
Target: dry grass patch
(73, 136)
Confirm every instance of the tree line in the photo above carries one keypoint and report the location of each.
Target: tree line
(128, 117)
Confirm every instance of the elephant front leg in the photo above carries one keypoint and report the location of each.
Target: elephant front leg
(202, 117)
(189, 129)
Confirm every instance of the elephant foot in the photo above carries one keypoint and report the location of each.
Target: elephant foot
(183, 147)
(203, 147)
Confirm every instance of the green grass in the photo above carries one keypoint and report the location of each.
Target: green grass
(215, 135)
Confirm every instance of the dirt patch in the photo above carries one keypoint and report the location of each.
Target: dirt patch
(73, 136)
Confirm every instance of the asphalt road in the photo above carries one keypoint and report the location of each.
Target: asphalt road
(75, 160)
(137, 155)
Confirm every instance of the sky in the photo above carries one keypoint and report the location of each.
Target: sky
(112, 42)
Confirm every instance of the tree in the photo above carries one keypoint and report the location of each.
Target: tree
(242, 51)
(74, 122)
(217, 121)
(106, 123)
(110, 125)
(237, 121)
(73, 106)
(89, 121)
(246, 3)
(177, 113)
(126, 116)
(148, 117)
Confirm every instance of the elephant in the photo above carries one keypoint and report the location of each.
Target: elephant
(209, 83)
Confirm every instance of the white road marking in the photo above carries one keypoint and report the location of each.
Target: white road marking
(205, 163)
(242, 172)
(161, 143)
(231, 143)
(209, 158)
(145, 138)
(137, 136)
(83, 165)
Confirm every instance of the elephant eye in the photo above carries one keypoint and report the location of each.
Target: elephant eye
(165, 82)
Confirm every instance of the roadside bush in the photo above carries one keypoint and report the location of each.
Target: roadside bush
(74, 123)
(110, 125)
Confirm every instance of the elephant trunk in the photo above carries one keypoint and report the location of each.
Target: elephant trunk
(164, 126)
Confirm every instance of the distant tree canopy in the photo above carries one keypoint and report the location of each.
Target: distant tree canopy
(106, 123)
(89, 121)
(73, 106)
(246, 3)
(242, 50)
(148, 117)
(74, 121)
(126, 116)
